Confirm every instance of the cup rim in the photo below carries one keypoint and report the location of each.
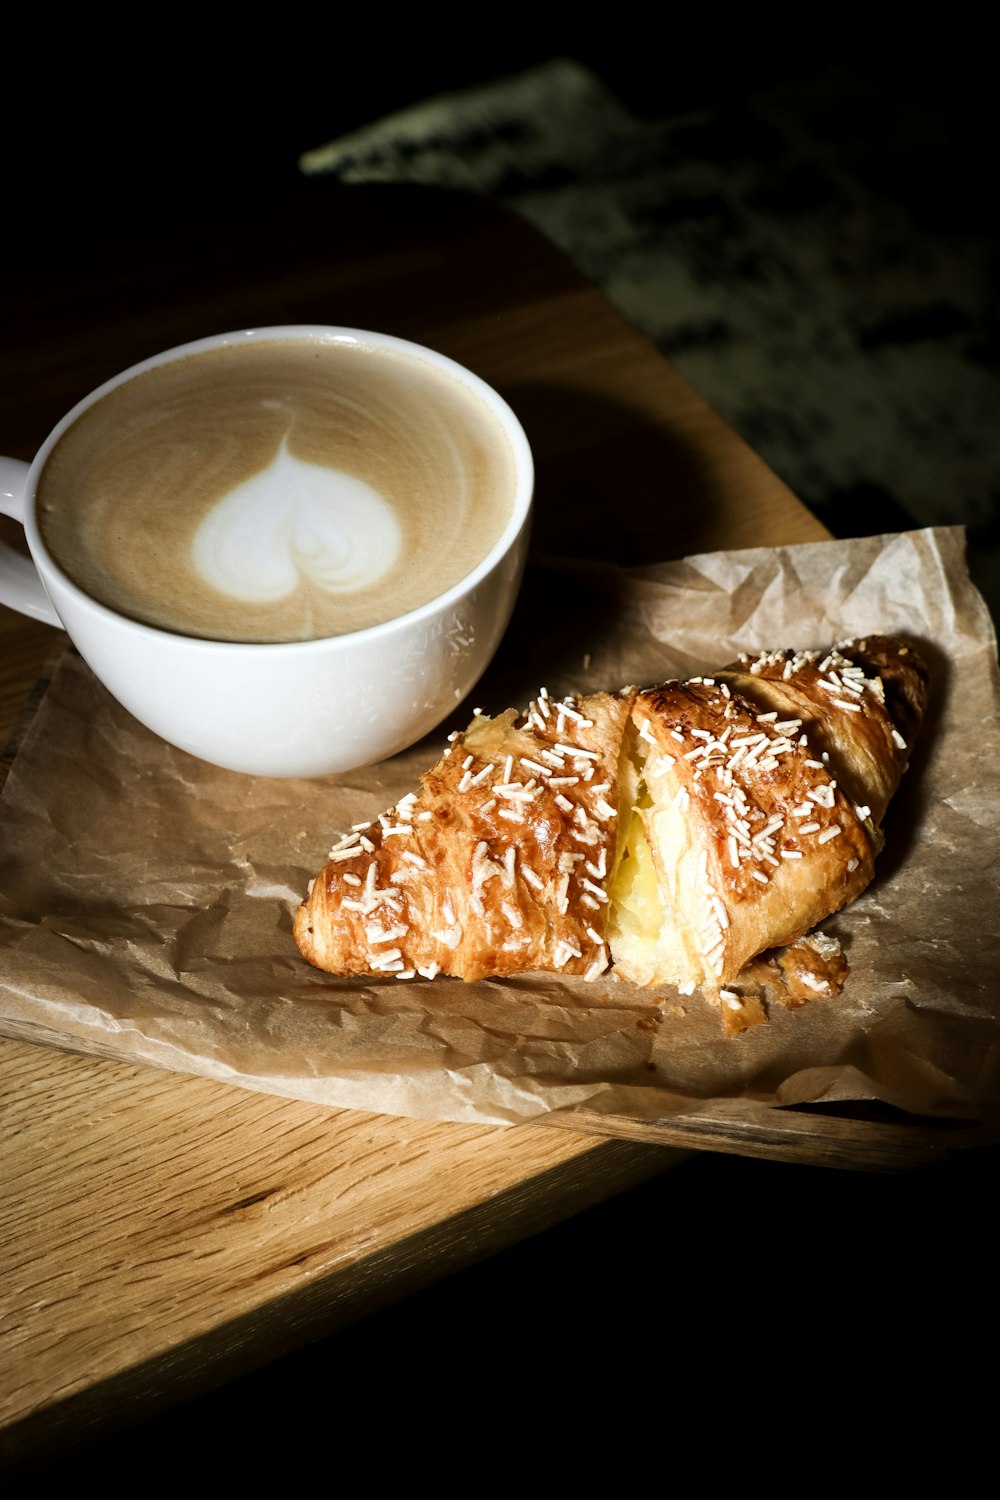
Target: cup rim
(321, 333)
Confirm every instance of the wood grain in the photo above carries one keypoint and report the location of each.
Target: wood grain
(166, 1229)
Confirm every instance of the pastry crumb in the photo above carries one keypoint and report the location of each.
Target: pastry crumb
(742, 1012)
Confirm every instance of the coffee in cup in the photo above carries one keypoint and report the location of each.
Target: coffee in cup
(280, 490)
(289, 551)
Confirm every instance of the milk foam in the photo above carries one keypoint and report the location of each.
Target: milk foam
(293, 524)
(279, 491)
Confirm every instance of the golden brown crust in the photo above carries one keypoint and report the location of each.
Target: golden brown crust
(497, 866)
(761, 792)
(772, 846)
(767, 784)
(861, 702)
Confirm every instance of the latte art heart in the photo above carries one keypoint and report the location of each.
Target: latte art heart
(295, 524)
(286, 490)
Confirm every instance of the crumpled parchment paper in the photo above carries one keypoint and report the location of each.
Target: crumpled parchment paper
(146, 898)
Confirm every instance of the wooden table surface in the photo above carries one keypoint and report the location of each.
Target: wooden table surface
(161, 1234)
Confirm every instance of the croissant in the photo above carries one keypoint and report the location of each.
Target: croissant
(673, 833)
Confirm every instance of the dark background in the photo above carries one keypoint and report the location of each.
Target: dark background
(177, 117)
(730, 1284)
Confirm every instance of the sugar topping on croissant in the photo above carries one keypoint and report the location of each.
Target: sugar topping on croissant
(497, 865)
(675, 832)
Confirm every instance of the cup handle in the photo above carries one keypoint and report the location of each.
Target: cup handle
(20, 586)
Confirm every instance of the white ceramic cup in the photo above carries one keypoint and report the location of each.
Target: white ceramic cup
(306, 708)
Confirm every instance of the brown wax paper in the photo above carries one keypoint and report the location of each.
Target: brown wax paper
(146, 898)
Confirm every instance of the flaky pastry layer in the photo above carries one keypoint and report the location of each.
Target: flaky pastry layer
(674, 833)
(498, 863)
